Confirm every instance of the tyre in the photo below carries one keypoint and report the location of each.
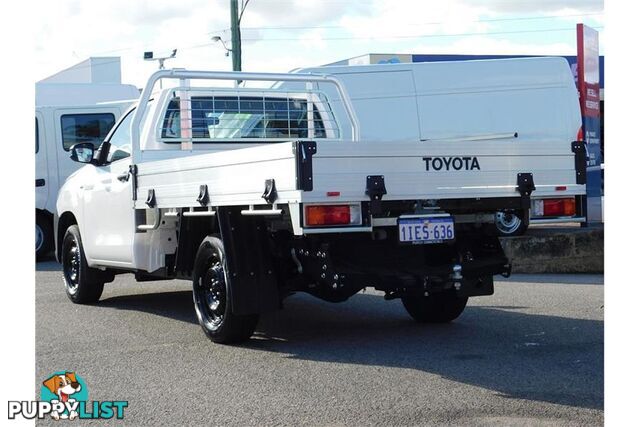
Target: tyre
(44, 236)
(211, 284)
(510, 223)
(83, 284)
(437, 308)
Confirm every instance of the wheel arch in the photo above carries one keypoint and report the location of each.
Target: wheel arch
(45, 213)
(44, 226)
(65, 220)
(191, 232)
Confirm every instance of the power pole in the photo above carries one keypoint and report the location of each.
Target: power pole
(236, 49)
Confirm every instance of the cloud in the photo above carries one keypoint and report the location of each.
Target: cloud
(273, 13)
(414, 18)
(538, 6)
(327, 30)
(72, 31)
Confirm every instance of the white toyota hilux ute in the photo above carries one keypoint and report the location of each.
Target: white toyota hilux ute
(255, 194)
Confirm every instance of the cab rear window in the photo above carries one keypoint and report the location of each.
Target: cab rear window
(236, 118)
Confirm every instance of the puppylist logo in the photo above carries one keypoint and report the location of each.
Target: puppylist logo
(64, 396)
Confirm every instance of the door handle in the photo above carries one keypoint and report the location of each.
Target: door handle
(124, 177)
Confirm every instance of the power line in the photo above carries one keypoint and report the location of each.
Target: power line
(242, 8)
(197, 46)
(374, 37)
(523, 18)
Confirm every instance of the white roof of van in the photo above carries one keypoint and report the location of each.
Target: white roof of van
(82, 93)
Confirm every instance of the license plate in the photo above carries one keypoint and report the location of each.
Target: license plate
(426, 229)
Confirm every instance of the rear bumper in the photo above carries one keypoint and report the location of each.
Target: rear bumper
(335, 268)
(560, 220)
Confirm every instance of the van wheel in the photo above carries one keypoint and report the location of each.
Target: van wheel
(510, 223)
(44, 236)
(211, 296)
(83, 284)
(441, 307)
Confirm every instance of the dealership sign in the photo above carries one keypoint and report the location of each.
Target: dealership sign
(588, 80)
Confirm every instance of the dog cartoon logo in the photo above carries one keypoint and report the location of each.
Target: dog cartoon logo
(63, 386)
(64, 396)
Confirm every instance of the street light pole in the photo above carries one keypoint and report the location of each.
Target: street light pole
(236, 49)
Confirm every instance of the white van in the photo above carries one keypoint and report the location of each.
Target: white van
(472, 100)
(58, 128)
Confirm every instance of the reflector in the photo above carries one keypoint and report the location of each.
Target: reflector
(559, 207)
(328, 215)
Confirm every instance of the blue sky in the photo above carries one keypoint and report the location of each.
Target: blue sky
(279, 35)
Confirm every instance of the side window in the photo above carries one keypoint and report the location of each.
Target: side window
(120, 141)
(91, 128)
(37, 136)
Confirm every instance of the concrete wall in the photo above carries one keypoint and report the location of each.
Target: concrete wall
(557, 250)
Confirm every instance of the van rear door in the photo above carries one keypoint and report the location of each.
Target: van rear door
(42, 168)
(534, 97)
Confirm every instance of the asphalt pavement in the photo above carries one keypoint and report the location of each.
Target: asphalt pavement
(532, 354)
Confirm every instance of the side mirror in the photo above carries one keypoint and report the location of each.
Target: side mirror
(83, 152)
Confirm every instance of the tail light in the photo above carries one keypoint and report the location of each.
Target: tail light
(325, 215)
(580, 135)
(554, 207)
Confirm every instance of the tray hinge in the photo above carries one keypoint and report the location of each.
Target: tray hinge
(304, 150)
(580, 150)
(525, 188)
(375, 190)
(270, 193)
(203, 195)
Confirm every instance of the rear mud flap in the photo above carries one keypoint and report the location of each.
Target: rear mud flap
(254, 287)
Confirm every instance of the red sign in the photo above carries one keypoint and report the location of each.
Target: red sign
(589, 88)
(588, 71)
